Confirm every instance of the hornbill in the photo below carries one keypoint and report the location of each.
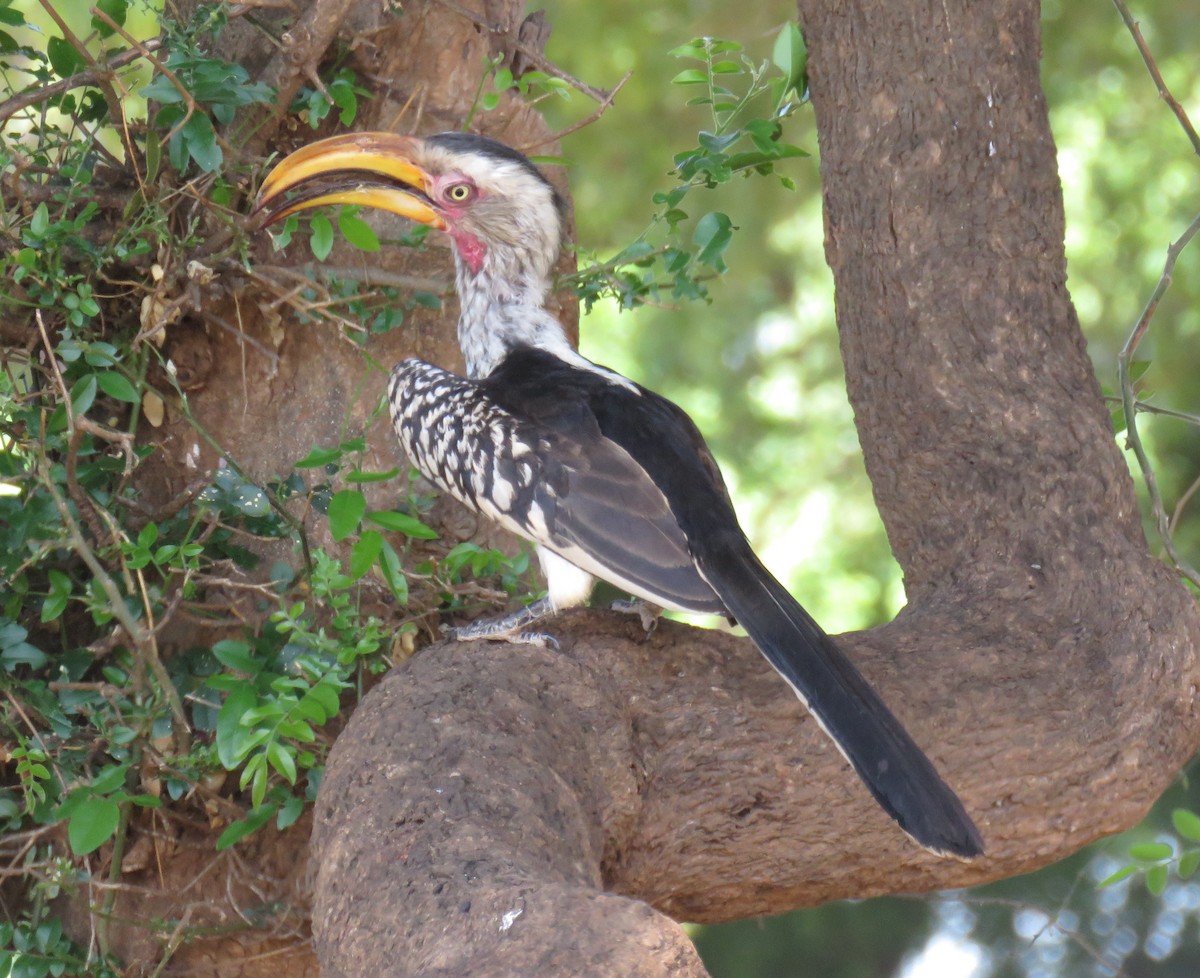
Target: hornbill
(607, 478)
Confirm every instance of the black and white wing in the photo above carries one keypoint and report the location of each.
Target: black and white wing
(618, 481)
(540, 467)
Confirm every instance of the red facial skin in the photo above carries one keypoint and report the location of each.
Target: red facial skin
(470, 248)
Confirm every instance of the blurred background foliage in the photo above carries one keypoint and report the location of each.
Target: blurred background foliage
(760, 372)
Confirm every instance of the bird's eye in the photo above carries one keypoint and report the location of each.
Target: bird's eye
(459, 192)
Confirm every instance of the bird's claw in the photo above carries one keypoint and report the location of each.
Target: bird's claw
(541, 639)
(646, 611)
(470, 633)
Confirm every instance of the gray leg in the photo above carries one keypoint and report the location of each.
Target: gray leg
(508, 628)
(646, 611)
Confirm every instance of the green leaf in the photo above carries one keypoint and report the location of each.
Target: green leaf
(791, 57)
(282, 761)
(320, 239)
(22, 654)
(100, 354)
(1123, 873)
(1149, 852)
(393, 572)
(201, 140)
(712, 236)
(718, 143)
(92, 825)
(65, 61)
(360, 476)
(765, 133)
(162, 91)
(109, 779)
(318, 457)
(83, 393)
(298, 729)
(146, 539)
(325, 695)
(116, 9)
(693, 49)
(1138, 368)
(237, 831)
(1156, 879)
(236, 655)
(690, 76)
(402, 523)
(250, 500)
(115, 385)
(255, 774)
(362, 555)
(357, 231)
(344, 97)
(346, 510)
(231, 735)
(289, 811)
(1187, 824)
(55, 602)
(40, 222)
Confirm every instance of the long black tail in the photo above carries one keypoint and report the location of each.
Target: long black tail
(891, 765)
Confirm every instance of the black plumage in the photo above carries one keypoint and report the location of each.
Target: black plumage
(608, 479)
(624, 475)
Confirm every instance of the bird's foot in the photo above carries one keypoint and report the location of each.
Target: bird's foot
(646, 611)
(508, 628)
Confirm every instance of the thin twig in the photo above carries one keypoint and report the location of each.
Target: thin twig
(103, 78)
(536, 57)
(33, 96)
(183, 732)
(1133, 439)
(1129, 402)
(131, 151)
(300, 51)
(604, 106)
(1145, 407)
(166, 73)
(116, 600)
(374, 277)
(1052, 920)
(1181, 503)
(1152, 67)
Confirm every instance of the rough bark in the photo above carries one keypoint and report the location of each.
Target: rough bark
(508, 811)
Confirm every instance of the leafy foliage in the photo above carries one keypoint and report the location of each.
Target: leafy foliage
(1156, 859)
(739, 143)
(105, 250)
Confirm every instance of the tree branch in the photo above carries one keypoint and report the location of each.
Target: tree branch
(299, 56)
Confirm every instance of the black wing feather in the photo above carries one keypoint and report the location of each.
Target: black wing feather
(595, 414)
(599, 498)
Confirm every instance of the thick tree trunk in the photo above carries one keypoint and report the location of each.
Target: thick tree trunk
(509, 811)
